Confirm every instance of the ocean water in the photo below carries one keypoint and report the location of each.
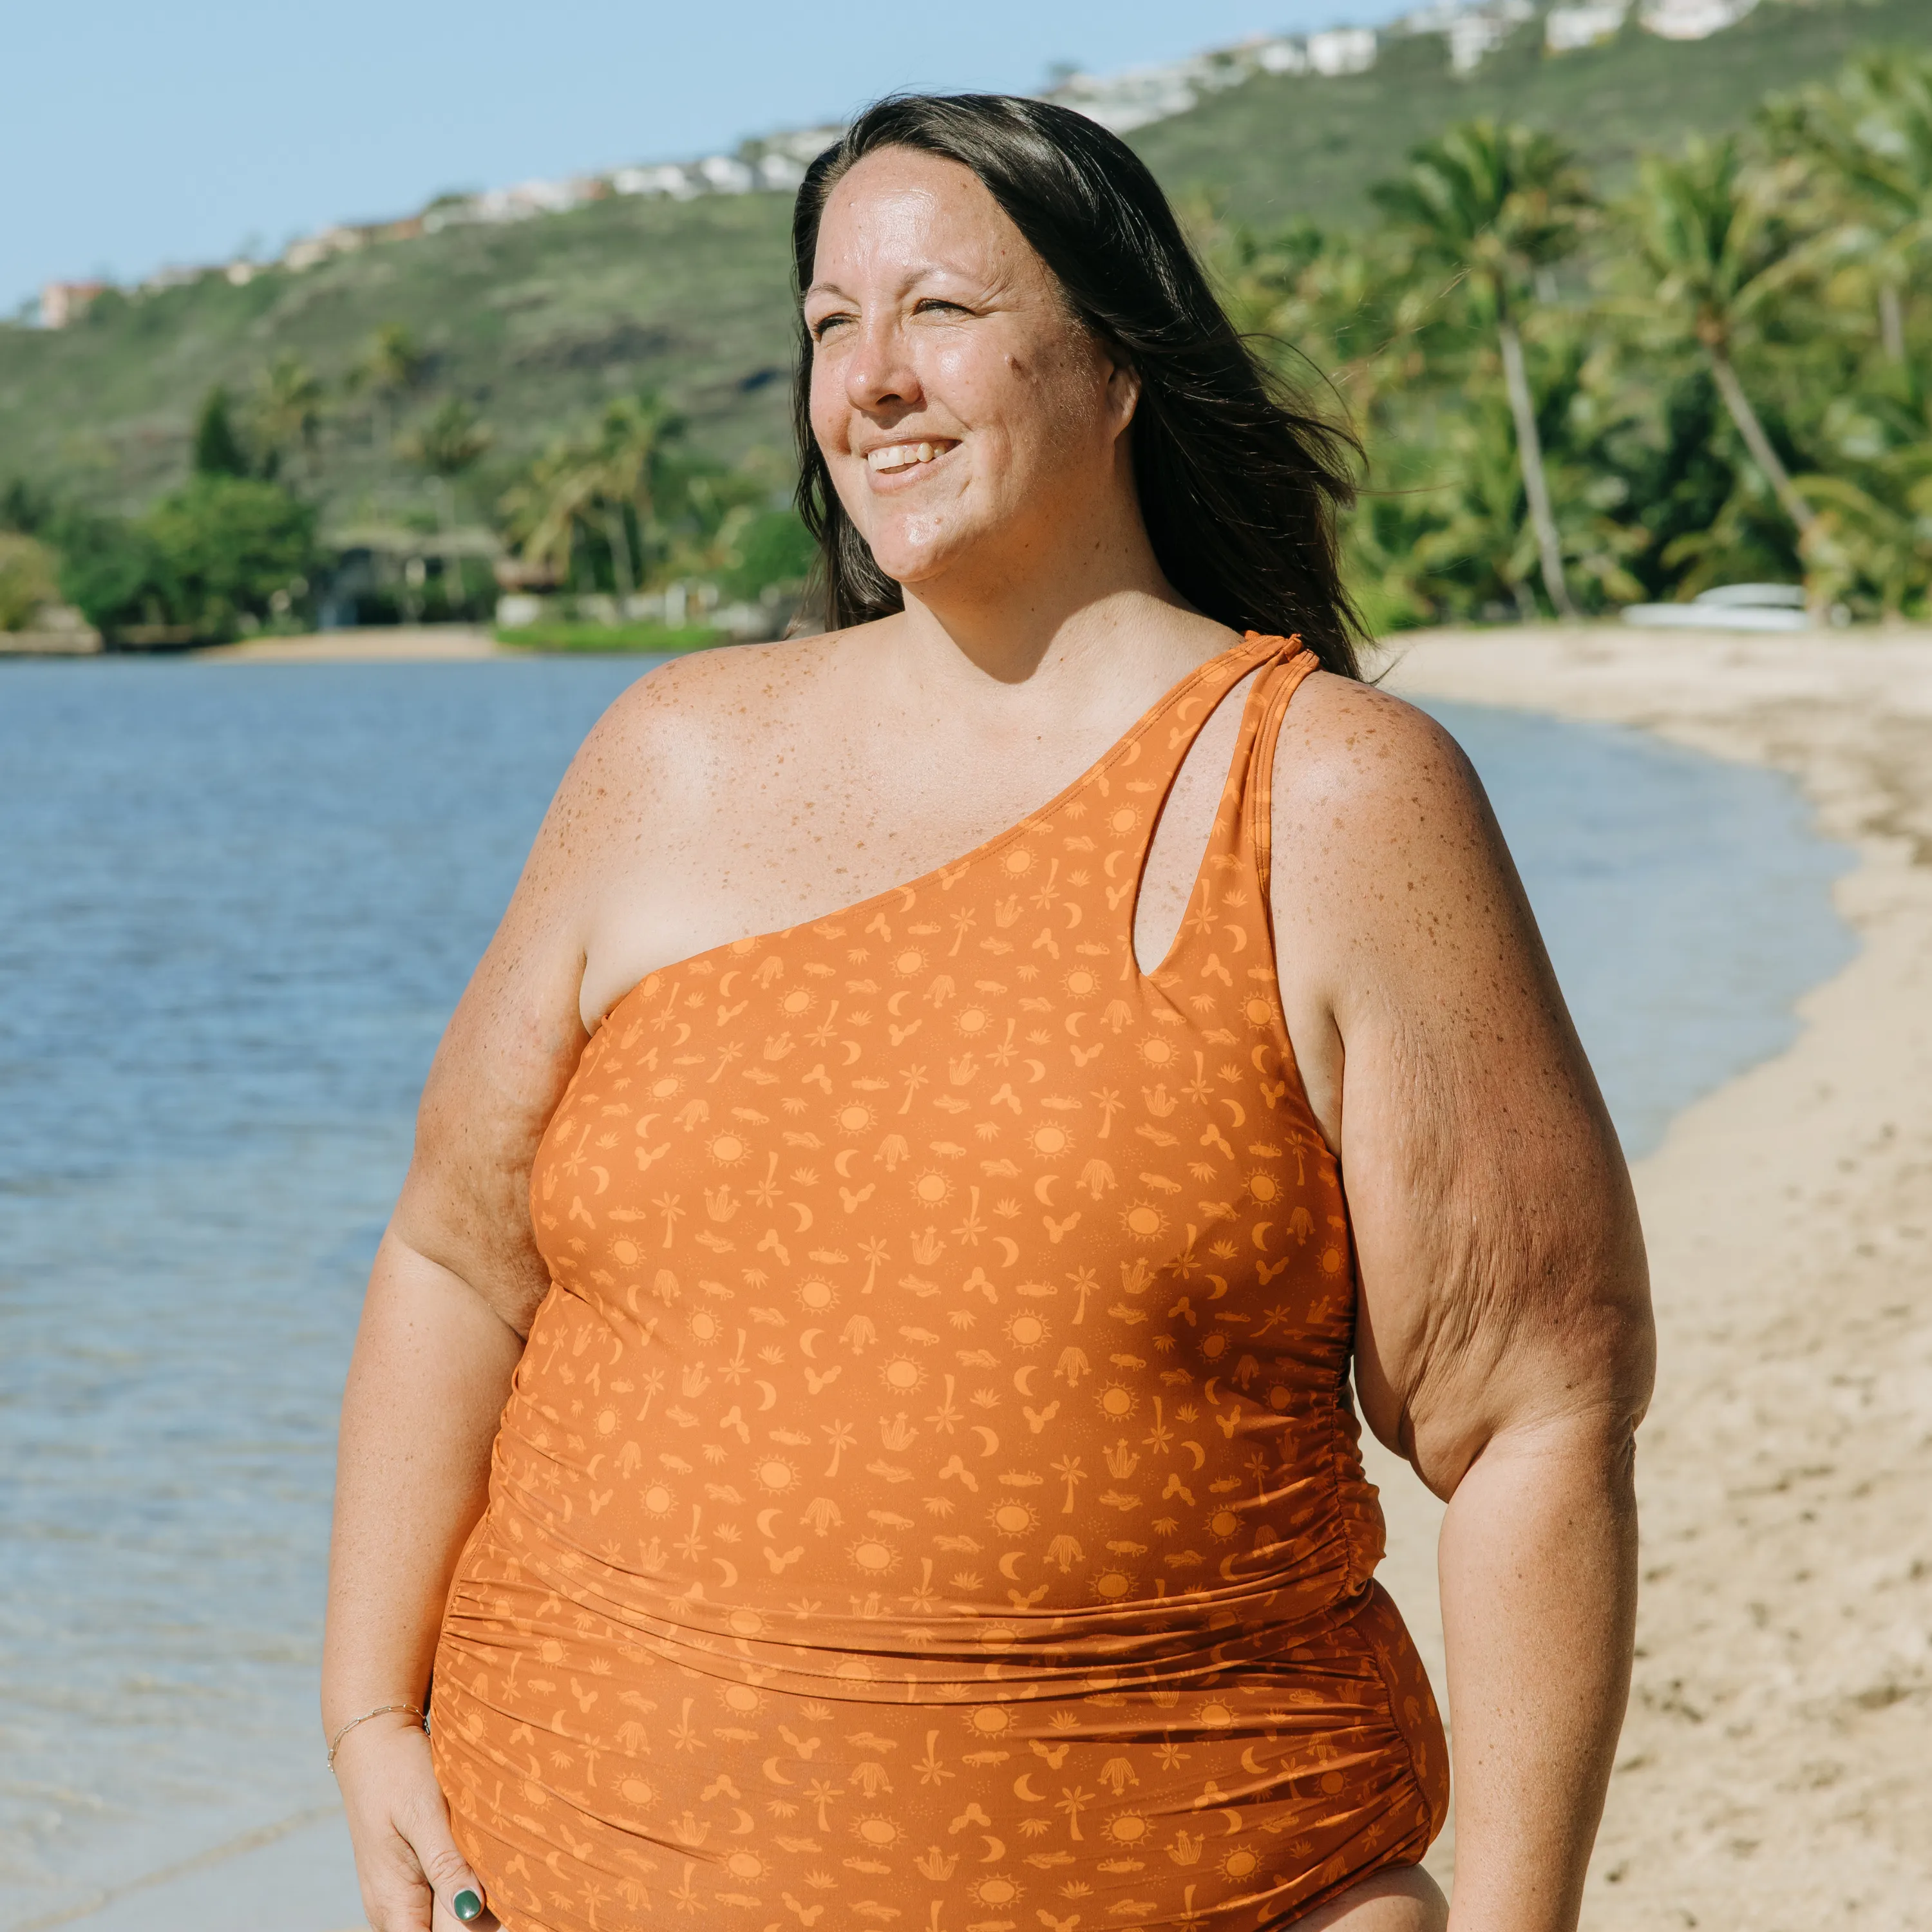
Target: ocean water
(237, 902)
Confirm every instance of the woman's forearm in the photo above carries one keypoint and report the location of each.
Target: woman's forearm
(1538, 1568)
(426, 1386)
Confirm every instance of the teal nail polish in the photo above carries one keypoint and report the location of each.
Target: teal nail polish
(467, 1906)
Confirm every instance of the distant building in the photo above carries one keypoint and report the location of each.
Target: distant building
(1123, 102)
(802, 145)
(724, 175)
(1693, 19)
(499, 205)
(780, 172)
(1475, 32)
(669, 178)
(173, 275)
(1279, 55)
(775, 163)
(1343, 50)
(1567, 29)
(340, 239)
(64, 302)
(343, 237)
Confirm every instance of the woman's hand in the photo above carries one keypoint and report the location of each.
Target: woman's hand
(412, 1874)
(432, 1368)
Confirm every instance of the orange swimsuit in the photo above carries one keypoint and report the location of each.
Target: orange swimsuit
(929, 1499)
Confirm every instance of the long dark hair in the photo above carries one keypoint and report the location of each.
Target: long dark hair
(1240, 482)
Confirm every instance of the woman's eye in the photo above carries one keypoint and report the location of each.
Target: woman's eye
(825, 325)
(934, 302)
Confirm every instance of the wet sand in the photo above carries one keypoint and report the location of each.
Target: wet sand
(1774, 1769)
(397, 643)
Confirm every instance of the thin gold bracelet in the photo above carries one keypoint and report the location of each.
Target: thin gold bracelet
(380, 1710)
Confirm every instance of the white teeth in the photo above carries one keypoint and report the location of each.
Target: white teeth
(900, 456)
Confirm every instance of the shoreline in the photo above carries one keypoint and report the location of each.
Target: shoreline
(1771, 1770)
(399, 644)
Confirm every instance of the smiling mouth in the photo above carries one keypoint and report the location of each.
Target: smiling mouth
(896, 457)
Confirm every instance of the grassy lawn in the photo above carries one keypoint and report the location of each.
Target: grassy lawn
(662, 640)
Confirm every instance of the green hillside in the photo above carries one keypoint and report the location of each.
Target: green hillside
(536, 323)
(1283, 146)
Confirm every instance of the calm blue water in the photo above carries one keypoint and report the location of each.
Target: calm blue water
(236, 903)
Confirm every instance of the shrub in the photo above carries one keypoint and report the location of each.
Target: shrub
(26, 580)
(218, 449)
(773, 547)
(221, 552)
(232, 547)
(112, 570)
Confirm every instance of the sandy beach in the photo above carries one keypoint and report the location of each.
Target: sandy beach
(1775, 1774)
(393, 644)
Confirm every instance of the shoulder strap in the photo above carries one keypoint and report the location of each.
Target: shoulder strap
(1229, 913)
(1135, 778)
(1274, 690)
(1196, 699)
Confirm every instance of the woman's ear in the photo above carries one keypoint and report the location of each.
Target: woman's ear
(1123, 392)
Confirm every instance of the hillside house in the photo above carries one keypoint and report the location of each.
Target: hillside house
(64, 302)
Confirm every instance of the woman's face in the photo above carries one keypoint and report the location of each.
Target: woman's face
(967, 419)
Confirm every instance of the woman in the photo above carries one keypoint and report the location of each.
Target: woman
(853, 1407)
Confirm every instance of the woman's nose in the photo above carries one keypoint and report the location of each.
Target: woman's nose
(880, 374)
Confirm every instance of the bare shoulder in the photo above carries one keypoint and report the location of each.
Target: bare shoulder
(1383, 835)
(691, 721)
(665, 746)
(1345, 743)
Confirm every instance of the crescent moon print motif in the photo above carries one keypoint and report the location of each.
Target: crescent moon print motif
(929, 1499)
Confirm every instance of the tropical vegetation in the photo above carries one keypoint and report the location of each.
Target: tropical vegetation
(230, 551)
(1575, 387)
(537, 324)
(1572, 400)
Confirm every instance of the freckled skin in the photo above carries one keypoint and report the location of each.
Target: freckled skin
(1503, 1342)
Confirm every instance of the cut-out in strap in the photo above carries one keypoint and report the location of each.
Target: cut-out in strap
(1193, 705)
(1230, 887)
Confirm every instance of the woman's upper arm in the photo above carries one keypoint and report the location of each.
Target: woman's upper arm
(514, 1040)
(1502, 1278)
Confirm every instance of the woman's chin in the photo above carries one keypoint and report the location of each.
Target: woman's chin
(918, 566)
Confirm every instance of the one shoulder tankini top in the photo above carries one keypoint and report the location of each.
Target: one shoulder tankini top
(929, 1499)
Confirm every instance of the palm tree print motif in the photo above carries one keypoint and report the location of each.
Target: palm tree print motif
(929, 1497)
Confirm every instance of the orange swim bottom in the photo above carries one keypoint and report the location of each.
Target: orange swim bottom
(594, 1788)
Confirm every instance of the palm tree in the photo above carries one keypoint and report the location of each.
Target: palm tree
(1481, 541)
(389, 368)
(1863, 538)
(597, 483)
(1714, 256)
(1871, 132)
(630, 447)
(287, 409)
(450, 442)
(544, 507)
(445, 446)
(1501, 206)
(1347, 305)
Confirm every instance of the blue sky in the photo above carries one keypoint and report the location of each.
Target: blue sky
(138, 134)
